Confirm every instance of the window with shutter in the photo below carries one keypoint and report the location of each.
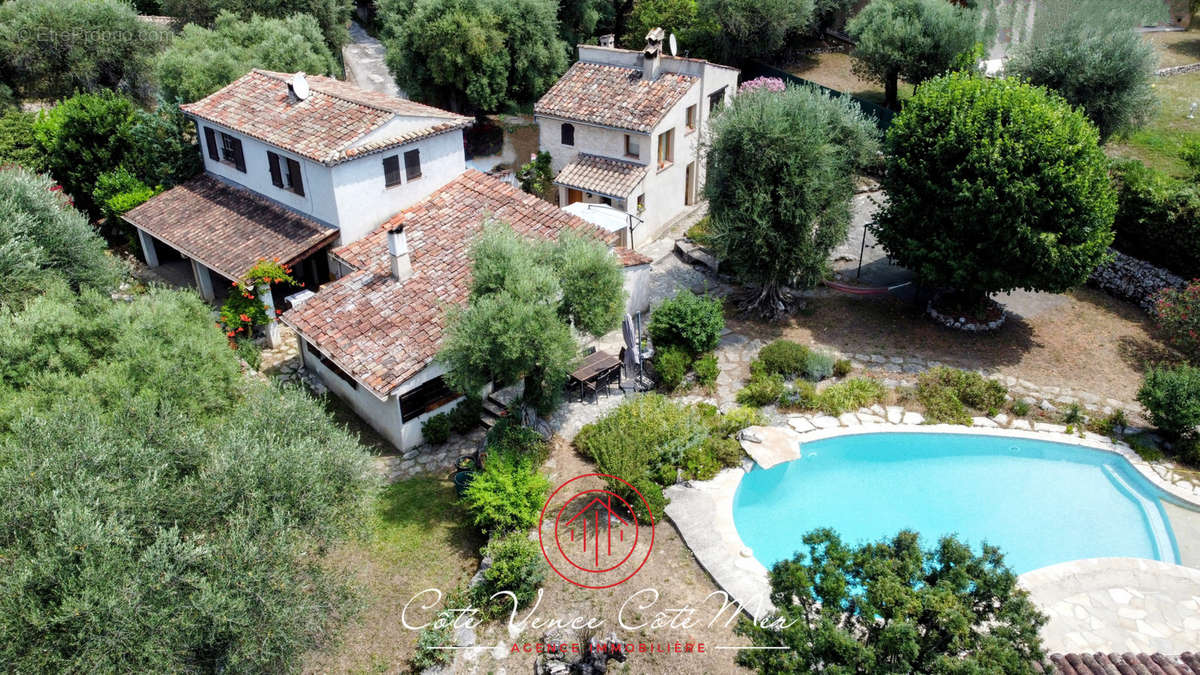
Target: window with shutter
(231, 151)
(295, 180)
(210, 139)
(568, 134)
(276, 174)
(412, 164)
(391, 170)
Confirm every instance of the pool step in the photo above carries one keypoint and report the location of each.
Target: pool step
(1164, 547)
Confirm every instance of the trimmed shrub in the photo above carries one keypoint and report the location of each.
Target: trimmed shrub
(465, 416)
(942, 406)
(969, 387)
(723, 426)
(802, 395)
(672, 363)
(512, 438)
(818, 366)
(1019, 408)
(436, 429)
(507, 495)
(761, 390)
(784, 357)
(517, 567)
(842, 397)
(706, 370)
(1158, 218)
(1177, 313)
(687, 320)
(1171, 397)
(842, 367)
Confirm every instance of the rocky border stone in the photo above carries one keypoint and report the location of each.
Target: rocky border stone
(962, 323)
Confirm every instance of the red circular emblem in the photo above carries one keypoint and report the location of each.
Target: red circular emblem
(596, 534)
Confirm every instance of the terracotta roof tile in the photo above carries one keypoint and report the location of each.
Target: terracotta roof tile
(228, 229)
(601, 175)
(613, 96)
(1187, 663)
(328, 125)
(631, 258)
(382, 331)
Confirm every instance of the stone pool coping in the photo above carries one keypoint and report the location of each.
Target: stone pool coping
(703, 510)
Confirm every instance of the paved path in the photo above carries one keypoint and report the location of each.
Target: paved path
(365, 65)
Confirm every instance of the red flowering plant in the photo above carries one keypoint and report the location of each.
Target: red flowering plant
(1177, 312)
(243, 310)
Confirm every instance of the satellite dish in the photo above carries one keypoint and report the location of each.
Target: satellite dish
(674, 46)
(300, 86)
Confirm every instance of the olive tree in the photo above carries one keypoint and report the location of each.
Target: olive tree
(749, 29)
(994, 185)
(891, 607)
(912, 40)
(1097, 62)
(525, 296)
(780, 179)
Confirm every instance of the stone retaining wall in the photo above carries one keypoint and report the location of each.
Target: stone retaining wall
(1135, 280)
(1177, 70)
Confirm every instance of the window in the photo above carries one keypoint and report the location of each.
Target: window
(641, 203)
(425, 398)
(666, 148)
(631, 147)
(412, 165)
(285, 173)
(391, 170)
(231, 152)
(716, 100)
(691, 118)
(568, 134)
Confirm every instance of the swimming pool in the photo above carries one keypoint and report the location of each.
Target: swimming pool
(1041, 502)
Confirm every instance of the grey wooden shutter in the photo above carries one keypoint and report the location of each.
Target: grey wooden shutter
(294, 175)
(210, 139)
(412, 164)
(276, 175)
(239, 160)
(391, 170)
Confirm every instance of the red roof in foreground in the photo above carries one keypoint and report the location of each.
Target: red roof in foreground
(382, 331)
(226, 228)
(1187, 663)
(327, 126)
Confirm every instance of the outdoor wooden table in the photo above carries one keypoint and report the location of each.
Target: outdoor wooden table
(594, 365)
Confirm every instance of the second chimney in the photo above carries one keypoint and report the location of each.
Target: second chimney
(397, 245)
(609, 40)
(651, 55)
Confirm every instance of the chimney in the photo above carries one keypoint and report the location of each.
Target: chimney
(609, 40)
(397, 245)
(651, 55)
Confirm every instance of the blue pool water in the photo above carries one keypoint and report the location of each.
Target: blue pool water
(1041, 502)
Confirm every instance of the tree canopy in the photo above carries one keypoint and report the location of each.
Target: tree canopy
(891, 607)
(994, 185)
(755, 28)
(1097, 62)
(525, 296)
(54, 48)
(470, 55)
(779, 183)
(201, 60)
(695, 30)
(912, 40)
(331, 15)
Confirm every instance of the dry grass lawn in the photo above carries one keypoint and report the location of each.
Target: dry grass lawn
(1176, 48)
(833, 70)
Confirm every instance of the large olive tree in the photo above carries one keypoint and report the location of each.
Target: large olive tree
(780, 179)
(912, 40)
(891, 607)
(995, 185)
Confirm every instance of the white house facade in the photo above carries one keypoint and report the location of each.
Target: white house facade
(623, 128)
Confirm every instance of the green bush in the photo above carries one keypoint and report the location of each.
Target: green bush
(818, 366)
(1171, 397)
(727, 451)
(430, 643)
(971, 389)
(1019, 408)
(436, 429)
(802, 395)
(16, 140)
(517, 567)
(1158, 218)
(508, 436)
(849, 395)
(465, 416)
(728, 424)
(507, 495)
(842, 367)
(701, 232)
(706, 370)
(687, 320)
(761, 390)
(672, 363)
(249, 351)
(942, 406)
(784, 357)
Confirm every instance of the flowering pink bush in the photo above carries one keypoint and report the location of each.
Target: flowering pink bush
(761, 84)
(1178, 315)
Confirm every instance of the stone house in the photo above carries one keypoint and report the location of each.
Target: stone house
(369, 199)
(623, 128)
